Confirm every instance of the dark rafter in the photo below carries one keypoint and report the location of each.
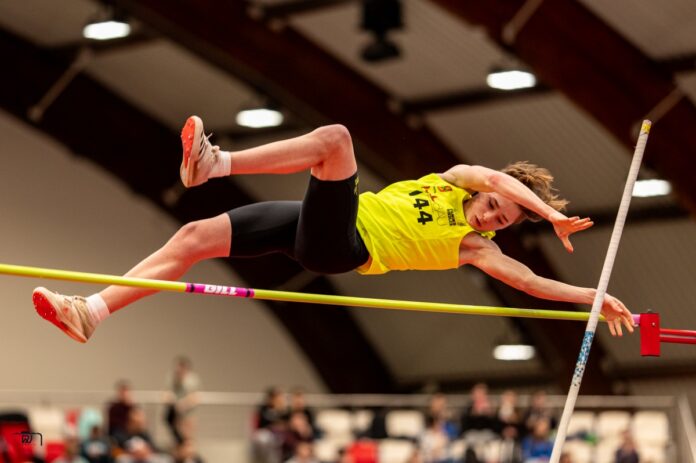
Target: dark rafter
(468, 98)
(289, 8)
(303, 76)
(681, 63)
(607, 217)
(95, 123)
(98, 47)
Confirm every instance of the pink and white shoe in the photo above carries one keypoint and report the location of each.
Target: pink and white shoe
(69, 313)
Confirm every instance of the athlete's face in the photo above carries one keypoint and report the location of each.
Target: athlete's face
(490, 212)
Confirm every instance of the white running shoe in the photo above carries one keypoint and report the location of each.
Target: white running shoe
(199, 155)
(69, 313)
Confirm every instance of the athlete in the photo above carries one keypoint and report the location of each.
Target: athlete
(440, 221)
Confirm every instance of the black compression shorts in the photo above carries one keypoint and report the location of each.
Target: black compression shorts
(319, 231)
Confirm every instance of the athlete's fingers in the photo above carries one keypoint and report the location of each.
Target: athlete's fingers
(627, 317)
(628, 323)
(612, 330)
(566, 243)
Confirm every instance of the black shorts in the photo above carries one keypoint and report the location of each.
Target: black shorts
(319, 231)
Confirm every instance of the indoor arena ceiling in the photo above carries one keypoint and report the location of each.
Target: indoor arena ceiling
(602, 66)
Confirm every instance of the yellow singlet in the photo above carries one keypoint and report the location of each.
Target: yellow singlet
(414, 225)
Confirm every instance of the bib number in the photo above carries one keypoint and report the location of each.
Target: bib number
(420, 204)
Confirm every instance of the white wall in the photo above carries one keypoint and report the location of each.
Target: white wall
(60, 211)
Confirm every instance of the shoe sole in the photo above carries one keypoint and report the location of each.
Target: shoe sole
(190, 138)
(45, 309)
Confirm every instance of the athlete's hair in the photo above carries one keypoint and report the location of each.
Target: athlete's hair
(539, 180)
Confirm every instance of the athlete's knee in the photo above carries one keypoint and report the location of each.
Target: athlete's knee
(335, 140)
(192, 241)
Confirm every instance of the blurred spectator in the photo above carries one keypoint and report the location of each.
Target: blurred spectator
(269, 436)
(72, 452)
(138, 450)
(538, 409)
(510, 450)
(298, 404)
(438, 410)
(478, 423)
(565, 458)
(470, 456)
(508, 414)
(89, 417)
(137, 444)
(298, 431)
(97, 447)
(479, 415)
(378, 425)
(627, 453)
(303, 454)
(273, 410)
(183, 384)
(119, 409)
(435, 442)
(186, 453)
(509, 422)
(537, 446)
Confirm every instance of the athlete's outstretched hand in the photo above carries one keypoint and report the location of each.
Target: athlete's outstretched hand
(616, 314)
(565, 227)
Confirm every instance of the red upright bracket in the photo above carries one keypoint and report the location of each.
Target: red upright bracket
(650, 334)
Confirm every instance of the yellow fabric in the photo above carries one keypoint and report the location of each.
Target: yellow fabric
(414, 225)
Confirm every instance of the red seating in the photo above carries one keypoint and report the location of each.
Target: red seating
(11, 427)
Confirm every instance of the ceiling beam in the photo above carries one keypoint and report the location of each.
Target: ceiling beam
(681, 63)
(119, 137)
(305, 77)
(294, 7)
(637, 214)
(603, 73)
(472, 97)
(607, 217)
(99, 47)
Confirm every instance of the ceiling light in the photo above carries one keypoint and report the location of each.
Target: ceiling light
(106, 30)
(107, 23)
(514, 352)
(647, 188)
(259, 118)
(510, 79)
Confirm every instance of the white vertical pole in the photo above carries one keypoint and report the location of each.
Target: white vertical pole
(601, 292)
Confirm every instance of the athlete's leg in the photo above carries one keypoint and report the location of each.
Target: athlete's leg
(326, 151)
(78, 317)
(247, 231)
(195, 241)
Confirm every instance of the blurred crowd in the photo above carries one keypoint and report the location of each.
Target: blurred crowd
(120, 433)
(286, 432)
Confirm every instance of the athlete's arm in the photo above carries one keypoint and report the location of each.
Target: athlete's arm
(486, 255)
(483, 179)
